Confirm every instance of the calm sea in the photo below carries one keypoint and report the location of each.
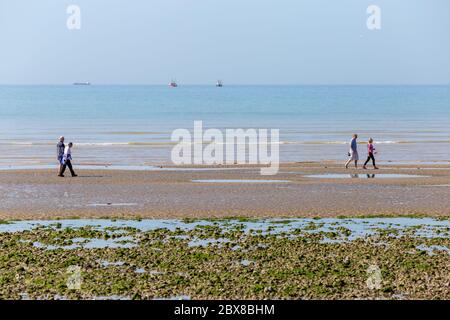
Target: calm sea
(131, 125)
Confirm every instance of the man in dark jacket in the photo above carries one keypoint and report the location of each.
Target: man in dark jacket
(60, 152)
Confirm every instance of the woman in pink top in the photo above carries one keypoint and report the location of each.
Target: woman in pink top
(370, 152)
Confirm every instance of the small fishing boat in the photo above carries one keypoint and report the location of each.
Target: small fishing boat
(173, 84)
(219, 83)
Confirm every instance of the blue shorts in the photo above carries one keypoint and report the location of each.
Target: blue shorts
(60, 160)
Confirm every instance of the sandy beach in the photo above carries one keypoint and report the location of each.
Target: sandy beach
(159, 152)
(194, 193)
(174, 241)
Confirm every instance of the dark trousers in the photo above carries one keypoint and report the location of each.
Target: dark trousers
(60, 163)
(370, 156)
(63, 168)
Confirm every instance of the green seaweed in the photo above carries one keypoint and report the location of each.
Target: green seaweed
(294, 265)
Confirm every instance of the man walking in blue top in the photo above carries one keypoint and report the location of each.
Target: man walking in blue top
(353, 153)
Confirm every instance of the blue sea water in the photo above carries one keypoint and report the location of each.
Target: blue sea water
(132, 125)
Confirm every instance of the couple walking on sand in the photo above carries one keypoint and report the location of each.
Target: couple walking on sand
(353, 153)
(64, 154)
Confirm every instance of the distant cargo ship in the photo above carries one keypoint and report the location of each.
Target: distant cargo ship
(82, 84)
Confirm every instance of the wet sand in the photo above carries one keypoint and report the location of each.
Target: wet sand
(40, 194)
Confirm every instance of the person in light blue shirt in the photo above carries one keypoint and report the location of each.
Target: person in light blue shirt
(353, 152)
(67, 158)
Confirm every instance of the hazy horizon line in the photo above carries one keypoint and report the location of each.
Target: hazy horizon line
(234, 84)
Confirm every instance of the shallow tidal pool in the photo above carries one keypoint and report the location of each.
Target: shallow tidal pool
(364, 176)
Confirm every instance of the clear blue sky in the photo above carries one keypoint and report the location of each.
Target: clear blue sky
(238, 41)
